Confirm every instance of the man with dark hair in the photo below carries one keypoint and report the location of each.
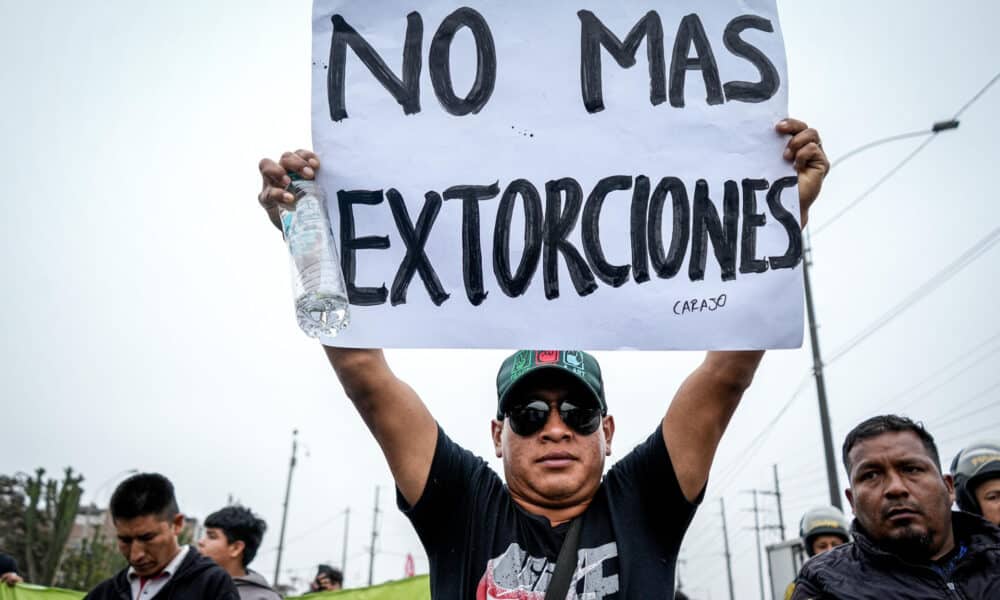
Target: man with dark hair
(907, 541)
(147, 522)
(8, 570)
(618, 534)
(232, 537)
(327, 579)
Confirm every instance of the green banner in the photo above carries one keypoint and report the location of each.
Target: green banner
(24, 591)
(414, 588)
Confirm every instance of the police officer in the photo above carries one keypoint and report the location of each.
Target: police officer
(822, 528)
(976, 470)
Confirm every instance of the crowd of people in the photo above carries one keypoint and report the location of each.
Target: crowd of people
(556, 525)
(148, 523)
(906, 540)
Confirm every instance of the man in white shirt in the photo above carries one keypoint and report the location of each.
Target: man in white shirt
(147, 523)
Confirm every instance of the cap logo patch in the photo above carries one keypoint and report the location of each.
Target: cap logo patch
(573, 359)
(544, 357)
(522, 360)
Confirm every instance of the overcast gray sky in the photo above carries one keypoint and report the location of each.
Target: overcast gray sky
(147, 316)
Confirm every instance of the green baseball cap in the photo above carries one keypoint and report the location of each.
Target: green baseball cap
(577, 363)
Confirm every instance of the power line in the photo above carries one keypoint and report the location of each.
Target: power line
(879, 142)
(975, 411)
(939, 278)
(969, 434)
(978, 95)
(964, 355)
(932, 133)
(755, 444)
(819, 229)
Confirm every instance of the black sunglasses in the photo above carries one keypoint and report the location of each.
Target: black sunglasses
(528, 419)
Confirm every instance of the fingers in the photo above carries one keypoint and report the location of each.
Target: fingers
(303, 162)
(801, 140)
(275, 176)
(790, 126)
(811, 156)
(272, 196)
(273, 173)
(275, 180)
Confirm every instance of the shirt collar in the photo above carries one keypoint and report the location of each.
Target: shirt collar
(170, 569)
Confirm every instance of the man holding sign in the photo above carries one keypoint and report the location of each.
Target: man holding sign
(527, 120)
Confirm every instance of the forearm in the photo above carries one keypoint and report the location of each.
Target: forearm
(395, 415)
(361, 371)
(700, 413)
(732, 370)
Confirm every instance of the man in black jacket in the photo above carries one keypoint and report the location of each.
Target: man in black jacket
(907, 541)
(147, 522)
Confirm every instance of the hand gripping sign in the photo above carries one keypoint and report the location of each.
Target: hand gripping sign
(559, 174)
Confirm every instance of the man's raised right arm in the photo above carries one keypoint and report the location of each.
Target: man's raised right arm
(399, 420)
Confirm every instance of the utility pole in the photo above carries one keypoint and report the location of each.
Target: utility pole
(371, 555)
(777, 496)
(284, 510)
(756, 529)
(824, 411)
(725, 540)
(343, 553)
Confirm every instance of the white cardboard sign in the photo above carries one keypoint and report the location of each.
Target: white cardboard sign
(567, 173)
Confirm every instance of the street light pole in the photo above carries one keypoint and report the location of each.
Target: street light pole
(824, 411)
(284, 510)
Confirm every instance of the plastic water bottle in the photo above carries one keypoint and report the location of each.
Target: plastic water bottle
(321, 305)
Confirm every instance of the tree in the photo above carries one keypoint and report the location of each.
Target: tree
(12, 505)
(95, 559)
(36, 519)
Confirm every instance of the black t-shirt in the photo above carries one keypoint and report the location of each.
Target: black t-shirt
(481, 545)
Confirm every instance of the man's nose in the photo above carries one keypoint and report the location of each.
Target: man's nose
(895, 486)
(136, 553)
(555, 428)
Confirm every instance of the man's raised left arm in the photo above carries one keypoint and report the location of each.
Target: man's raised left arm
(706, 401)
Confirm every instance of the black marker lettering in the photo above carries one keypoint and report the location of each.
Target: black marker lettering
(593, 35)
(359, 296)
(706, 225)
(439, 63)
(691, 31)
(405, 91)
(749, 263)
(515, 284)
(415, 239)
(640, 249)
(613, 275)
(668, 265)
(558, 225)
(472, 252)
(793, 254)
(745, 91)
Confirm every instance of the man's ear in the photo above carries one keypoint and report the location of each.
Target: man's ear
(949, 481)
(608, 424)
(236, 548)
(850, 497)
(496, 430)
(178, 523)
